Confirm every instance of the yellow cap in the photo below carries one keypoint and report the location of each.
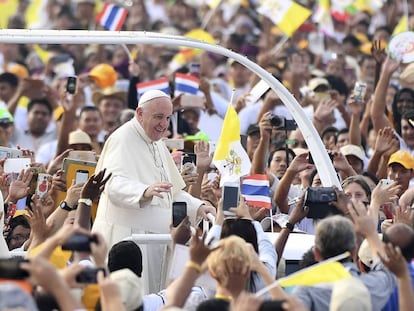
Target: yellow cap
(403, 158)
(104, 75)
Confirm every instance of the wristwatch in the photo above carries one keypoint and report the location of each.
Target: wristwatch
(87, 202)
(290, 226)
(64, 205)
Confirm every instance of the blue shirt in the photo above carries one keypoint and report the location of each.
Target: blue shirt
(392, 303)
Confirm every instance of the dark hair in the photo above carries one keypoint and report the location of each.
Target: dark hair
(15, 222)
(330, 129)
(40, 101)
(10, 78)
(290, 152)
(308, 259)
(243, 228)
(352, 40)
(338, 84)
(89, 108)
(345, 130)
(357, 179)
(371, 176)
(396, 114)
(125, 254)
(401, 235)
(383, 28)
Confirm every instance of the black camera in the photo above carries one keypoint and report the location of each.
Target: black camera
(318, 200)
(79, 242)
(10, 268)
(89, 275)
(281, 123)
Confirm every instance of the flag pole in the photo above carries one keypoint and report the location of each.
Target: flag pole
(271, 220)
(405, 4)
(209, 15)
(127, 52)
(276, 283)
(279, 45)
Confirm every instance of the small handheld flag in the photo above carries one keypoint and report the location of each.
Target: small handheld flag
(161, 84)
(112, 17)
(255, 190)
(186, 84)
(286, 14)
(230, 158)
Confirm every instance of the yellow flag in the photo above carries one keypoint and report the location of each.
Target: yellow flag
(230, 158)
(325, 272)
(43, 54)
(7, 8)
(286, 14)
(401, 26)
(230, 132)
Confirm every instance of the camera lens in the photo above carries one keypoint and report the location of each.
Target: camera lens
(276, 121)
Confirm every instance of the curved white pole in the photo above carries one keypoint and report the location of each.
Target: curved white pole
(322, 161)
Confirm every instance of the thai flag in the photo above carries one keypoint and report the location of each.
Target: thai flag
(255, 190)
(112, 17)
(185, 83)
(161, 84)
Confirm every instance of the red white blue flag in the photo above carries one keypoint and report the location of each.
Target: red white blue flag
(161, 84)
(112, 17)
(185, 83)
(255, 190)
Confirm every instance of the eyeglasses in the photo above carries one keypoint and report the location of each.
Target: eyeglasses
(19, 238)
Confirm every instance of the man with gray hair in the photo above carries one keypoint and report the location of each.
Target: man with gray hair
(336, 235)
(145, 181)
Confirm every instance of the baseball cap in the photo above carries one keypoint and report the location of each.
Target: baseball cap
(111, 91)
(353, 150)
(314, 83)
(130, 286)
(151, 94)
(403, 158)
(104, 75)
(5, 116)
(253, 128)
(350, 294)
(364, 253)
(79, 137)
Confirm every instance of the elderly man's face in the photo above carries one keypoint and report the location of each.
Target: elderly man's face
(155, 116)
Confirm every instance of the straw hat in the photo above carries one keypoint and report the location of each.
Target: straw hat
(108, 92)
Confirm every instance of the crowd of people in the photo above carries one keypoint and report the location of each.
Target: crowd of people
(67, 244)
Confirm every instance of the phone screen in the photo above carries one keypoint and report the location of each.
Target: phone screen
(230, 198)
(71, 85)
(179, 210)
(189, 159)
(81, 176)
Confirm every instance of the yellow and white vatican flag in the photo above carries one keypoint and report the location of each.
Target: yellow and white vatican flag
(286, 14)
(230, 158)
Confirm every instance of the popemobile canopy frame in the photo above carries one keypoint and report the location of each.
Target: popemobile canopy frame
(322, 161)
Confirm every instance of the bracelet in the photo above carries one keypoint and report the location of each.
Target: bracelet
(194, 265)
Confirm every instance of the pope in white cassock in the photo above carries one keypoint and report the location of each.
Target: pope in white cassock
(144, 182)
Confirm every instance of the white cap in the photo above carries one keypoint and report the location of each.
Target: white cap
(151, 94)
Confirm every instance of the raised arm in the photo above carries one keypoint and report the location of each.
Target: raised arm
(259, 156)
(379, 118)
(299, 163)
